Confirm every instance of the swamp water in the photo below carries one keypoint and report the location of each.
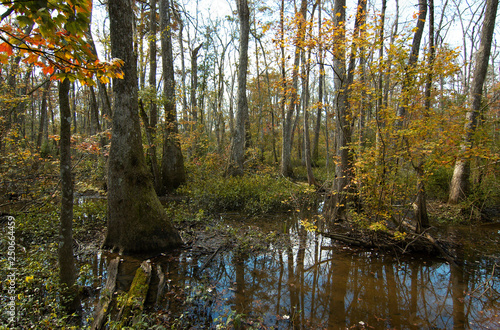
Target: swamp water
(312, 282)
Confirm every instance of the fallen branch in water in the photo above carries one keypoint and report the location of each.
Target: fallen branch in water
(385, 239)
(486, 284)
(442, 250)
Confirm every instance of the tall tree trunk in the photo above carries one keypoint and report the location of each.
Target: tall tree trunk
(235, 166)
(183, 73)
(95, 126)
(194, 83)
(380, 84)
(421, 215)
(67, 269)
(412, 61)
(44, 119)
(321, 84)
(153, 107)
(283, 68)
(73, 107)
(344, 172)
(137, 221)
(172, 164)
(335, 208)
(459, 188)
(286, 150)
(305, 106)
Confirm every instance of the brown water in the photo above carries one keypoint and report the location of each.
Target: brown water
(315, 283)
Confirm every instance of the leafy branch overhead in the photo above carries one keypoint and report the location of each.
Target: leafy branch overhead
(51, 36)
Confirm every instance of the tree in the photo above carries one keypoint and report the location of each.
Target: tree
(459, 187)
(153, 106)
(137, 221)
(286, 151)
(235, 166)
(344, 169)
(67, 269)
(57, 23)
(172, 165)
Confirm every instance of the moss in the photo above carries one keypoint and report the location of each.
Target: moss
(136, 296)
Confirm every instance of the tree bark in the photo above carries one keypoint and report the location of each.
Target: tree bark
(95, 126)
(137, 221)
(44, 119)
(172, 165)
(194, 82)
(286, 150)
(459, 188)
(183, 73)
(343, 81)
(153, 107)
(235, 166)
(415, 49)
(305, 107)
(421, 215)
(67, 269)
(321, 84)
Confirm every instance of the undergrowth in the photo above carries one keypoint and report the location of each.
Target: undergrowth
(249, 194)
(37, 287)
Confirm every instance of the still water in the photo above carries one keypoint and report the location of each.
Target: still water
(315, 283)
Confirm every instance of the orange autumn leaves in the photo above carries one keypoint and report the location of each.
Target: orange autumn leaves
(51, 36)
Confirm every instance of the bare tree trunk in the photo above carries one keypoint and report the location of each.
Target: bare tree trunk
(321, 84)
(282, 67)
(67, 269)
(286, 150)
(235, 166)
(421, 215)
(95, 126)
(344, 172)
(183, 73)
(172, 166)
(153, 106)
(137, 221)
(73, 108)
(459, 188)
(44, 119)
(194, 82)
(305, 105)
(415, 49)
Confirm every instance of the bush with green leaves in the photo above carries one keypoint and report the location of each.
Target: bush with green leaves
(250, 194)
(37, 289)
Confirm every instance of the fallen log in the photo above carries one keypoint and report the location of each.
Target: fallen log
(442, 250)
(348, 240)
(103, 308)
(422, 241)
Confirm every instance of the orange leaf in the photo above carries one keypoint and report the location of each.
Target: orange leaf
(5, 47)
(48, 70)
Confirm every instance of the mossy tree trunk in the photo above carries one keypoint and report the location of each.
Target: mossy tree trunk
(137, 221)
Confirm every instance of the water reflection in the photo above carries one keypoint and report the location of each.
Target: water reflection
(312, 284)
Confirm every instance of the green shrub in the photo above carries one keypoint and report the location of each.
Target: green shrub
(438, 183)
(251, 194)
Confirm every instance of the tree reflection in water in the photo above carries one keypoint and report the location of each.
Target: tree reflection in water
(312, 283)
